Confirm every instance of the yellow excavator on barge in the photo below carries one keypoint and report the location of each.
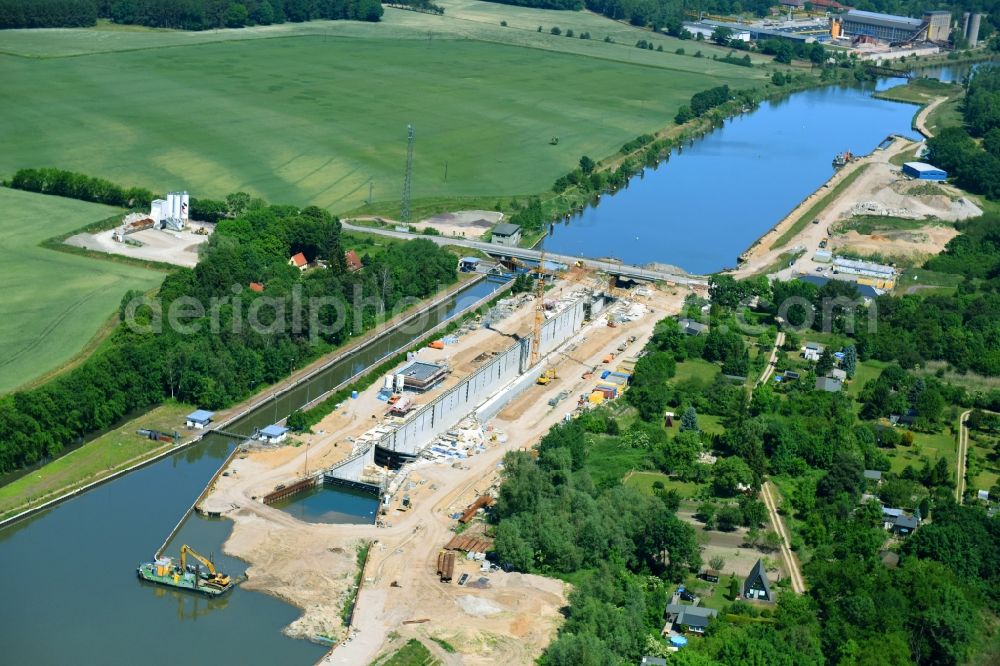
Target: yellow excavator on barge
(166, 571)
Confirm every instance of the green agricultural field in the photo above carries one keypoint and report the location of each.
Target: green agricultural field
(315, 113)
(54, 302)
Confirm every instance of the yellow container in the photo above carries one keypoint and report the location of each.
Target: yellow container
(596, 398)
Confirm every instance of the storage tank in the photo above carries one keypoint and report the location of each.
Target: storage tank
(185, 205)
(176, 214)
(400, 383)
(388, 383)
(973, 34)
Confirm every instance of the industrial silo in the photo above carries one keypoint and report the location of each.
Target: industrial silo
(973, 34)
(185, 205)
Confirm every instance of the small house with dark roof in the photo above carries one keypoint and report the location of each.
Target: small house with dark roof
(756, 585)
(653, 661)
(872, 475)
(682, 617)
(828, 384)
(898, 522)
(692, 327)
(506, 234)
(711, 575)
(353, 261)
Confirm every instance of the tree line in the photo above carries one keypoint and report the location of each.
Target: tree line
(182, 14)
(222, 361)
(975, 165)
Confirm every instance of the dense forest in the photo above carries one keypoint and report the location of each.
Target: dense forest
(228, 340)
(975, 165)
(567, 512)
(181, 14)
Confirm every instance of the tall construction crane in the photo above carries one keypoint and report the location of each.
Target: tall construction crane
(536, 326)
(404, 210)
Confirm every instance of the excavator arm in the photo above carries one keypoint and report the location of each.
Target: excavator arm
(214, 577)
(187, 550)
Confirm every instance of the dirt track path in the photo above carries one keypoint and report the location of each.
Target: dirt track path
(920, 122)
(791, 562)
(963, 452)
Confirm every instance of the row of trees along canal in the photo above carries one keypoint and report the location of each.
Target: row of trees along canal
(214, 369)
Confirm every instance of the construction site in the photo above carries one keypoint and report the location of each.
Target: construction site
(426, 445)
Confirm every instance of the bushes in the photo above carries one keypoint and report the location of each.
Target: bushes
(74, 185)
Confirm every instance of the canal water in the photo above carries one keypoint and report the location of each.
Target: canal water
(326, 504)
(713, 199)
(70, 594)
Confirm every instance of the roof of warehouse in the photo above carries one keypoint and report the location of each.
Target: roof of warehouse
(273, 431)
(888, 20)
(200, 415)
(922, 166)
(420, 370)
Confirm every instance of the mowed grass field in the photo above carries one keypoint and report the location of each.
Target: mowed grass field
(53, 302)
(316, 113)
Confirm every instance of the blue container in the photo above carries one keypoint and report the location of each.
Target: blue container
(354, 395)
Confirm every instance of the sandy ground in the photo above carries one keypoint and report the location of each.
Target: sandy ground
(170, 247)
(311, 565)
(470, 224)
(881, 189)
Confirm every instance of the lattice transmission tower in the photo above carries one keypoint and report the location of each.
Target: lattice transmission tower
(404, 212)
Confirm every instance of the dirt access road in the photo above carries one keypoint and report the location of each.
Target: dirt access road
(791, 562)
(963, 452)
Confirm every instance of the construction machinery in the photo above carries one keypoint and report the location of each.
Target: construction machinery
(536, 326)
(164, 571)
(547, 376)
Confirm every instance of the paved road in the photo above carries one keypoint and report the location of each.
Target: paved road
(626, 270)
(963, 452)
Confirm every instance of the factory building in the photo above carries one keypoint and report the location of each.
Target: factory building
(172, 212)
(706, 30)
(938, 25)
(883, 27)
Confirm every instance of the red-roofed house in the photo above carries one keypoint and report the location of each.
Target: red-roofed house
(299, 261)
(353, 261)
(256, 287)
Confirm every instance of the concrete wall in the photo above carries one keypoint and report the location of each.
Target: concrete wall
(447, 410)
(352, 468)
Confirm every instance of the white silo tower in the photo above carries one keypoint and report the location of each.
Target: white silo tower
(185, 206)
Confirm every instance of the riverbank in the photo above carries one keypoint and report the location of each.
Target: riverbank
(81, 480)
